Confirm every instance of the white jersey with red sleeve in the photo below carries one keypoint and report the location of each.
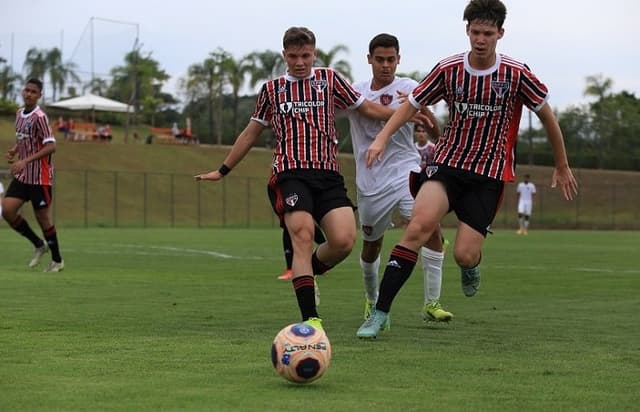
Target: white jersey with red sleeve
(400, 156)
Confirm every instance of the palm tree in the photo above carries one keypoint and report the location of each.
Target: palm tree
(266, 65)
(35, 63)
(327, 59)
(59, 72)
(236, 71)
(8, 81)
(97, 86)
(202, 82)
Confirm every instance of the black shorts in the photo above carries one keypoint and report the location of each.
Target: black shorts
(311, 190)
(474, 198)
(40, 196)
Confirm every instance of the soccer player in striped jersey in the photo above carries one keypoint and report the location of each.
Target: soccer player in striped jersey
(307, 187)
(31, 164)
(384, 187)
(485, 92)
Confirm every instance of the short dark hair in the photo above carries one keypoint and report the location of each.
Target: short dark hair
(35, 81)
(384, 40)
(298, 36)
(492, 11)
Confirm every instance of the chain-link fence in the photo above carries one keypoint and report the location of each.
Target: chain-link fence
(125, 199)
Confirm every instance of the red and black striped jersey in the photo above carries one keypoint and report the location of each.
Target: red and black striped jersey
(485, 107)
(32, 133)
(301, 113)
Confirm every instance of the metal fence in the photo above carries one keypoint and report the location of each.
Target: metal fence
(125, 199)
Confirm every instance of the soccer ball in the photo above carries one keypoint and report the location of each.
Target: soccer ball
(301, 353)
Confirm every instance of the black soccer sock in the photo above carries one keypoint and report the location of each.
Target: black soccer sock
(318, 267)
(287, 247)
(21, 226)
(305, 293)
(51, 236)
(399, 268)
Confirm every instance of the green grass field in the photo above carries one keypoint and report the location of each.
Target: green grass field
(182, 319)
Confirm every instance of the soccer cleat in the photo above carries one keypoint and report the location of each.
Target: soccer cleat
(315, 322)
(470, 280)
(37, 255)
(369, 307)
(519, 231)
(372, 326)
(286, 275)
(433, 312)
(55, 266)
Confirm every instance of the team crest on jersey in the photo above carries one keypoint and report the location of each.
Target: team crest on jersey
(459, 91)
(285, 107)
(367, 230)
(499, 88)
(282, 89)
(430, 170)
(386, 99)
(319, 85)
(461, 107)
(292, 199)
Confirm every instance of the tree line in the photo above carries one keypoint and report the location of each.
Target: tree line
(604, 133)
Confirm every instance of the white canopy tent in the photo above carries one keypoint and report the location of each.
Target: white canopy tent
(92, 102)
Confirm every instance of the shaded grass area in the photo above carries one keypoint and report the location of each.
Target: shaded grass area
(182, 319)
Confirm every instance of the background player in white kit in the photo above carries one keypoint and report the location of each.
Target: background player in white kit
(526, 191)
(385, 186)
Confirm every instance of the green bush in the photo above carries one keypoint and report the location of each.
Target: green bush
(8, 107)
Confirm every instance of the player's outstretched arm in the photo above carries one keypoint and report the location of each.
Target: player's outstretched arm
(404, 113)
(562, 174)
(244, 142)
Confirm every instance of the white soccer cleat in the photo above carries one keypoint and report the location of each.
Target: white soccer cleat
(55, 266)
(37, 255)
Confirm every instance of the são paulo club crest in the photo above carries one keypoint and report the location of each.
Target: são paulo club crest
(319, 85)
(386, 99)
(499, 88)
(292, 199)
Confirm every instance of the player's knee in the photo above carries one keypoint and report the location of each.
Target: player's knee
(343, 244)
(465, 257)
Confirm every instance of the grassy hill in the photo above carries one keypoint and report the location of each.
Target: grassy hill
(608, 199)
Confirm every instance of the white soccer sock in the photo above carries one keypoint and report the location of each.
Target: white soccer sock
(432, 272)
(370, 278)
(526, 224)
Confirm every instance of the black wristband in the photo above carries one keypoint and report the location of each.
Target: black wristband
(224, 170)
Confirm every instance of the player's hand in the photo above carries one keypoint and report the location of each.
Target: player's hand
(422, 119)
(214, 175)
(564, 177)
(402, 97)
(17, 166)
(374, 153)
(11, 154)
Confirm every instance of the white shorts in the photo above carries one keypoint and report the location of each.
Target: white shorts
(524, 208)
(375, 212)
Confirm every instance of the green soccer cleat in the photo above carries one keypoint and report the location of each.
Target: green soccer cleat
(315, 322)
(433, 312)
(37, 255)
(373, 325)
(470, 280)
(369, 308)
